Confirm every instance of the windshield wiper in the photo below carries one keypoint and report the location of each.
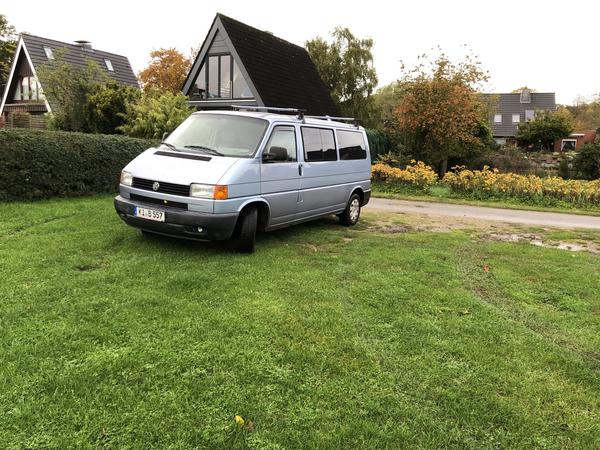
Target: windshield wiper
(209, 150)
(171, 146)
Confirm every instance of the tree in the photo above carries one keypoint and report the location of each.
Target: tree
(67, 87)
(166, 72)
(545, 128)
(8, 45)
(106, 106)
(442, 112)
(587, 161)
(586, 113)
(521, 89)
(154, 115)
(346, 67)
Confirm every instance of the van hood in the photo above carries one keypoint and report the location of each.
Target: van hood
(179, 167)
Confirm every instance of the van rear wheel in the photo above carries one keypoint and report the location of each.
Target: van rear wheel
(246, 233)
(352, 212)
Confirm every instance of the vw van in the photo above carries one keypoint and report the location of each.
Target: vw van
(229, 174)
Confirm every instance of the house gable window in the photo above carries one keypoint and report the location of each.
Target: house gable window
(48, 52)
(27, 89)
(109, 65)
(529, 115)
(516, 118)
(220, 78)
(497, 118)
(525, 96)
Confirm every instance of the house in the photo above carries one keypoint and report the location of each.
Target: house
(24, 92)
(241, 65)
(509, 110)
(575, 141)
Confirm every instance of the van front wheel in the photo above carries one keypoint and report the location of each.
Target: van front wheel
(352, 212)
(246, 233)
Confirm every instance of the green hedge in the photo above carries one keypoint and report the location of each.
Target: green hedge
(38, 164)
(379, 143)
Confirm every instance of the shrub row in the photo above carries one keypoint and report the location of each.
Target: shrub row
(37, 164)
(490, 183)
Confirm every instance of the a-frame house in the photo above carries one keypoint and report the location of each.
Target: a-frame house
(24, 91)
(241, 65)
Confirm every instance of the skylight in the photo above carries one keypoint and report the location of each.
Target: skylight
(48, 52)
(109, 65)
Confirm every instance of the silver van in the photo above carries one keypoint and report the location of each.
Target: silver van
(224, 174)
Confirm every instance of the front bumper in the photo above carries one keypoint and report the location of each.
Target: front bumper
(179, 223)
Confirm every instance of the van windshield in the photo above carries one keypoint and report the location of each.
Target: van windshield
(219, 134)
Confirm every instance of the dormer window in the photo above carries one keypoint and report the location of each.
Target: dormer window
(525, 96)
(48, 52)
(109, 65)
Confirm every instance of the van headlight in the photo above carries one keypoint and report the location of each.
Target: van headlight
(218, 192)
(126, 178)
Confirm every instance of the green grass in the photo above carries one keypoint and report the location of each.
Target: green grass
(444, 194)
(327, 337)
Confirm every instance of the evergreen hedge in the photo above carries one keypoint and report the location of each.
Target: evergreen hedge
(36, 164)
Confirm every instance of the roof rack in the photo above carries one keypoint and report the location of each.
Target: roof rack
(352, 120)
(270, 109)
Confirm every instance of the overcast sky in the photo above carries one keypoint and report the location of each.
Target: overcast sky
(549, 46)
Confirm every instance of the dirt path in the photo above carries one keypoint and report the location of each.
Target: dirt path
(557, 220)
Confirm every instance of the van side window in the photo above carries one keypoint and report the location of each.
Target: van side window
(351, 145)
(283, 138)
(319, 144)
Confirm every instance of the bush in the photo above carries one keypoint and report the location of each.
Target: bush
(587, 161)
(488, 183)
(155, 114)
(511, 159)
(417, 175)
(379, 142)
(38, 164)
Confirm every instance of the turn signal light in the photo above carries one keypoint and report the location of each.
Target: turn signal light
(221, 192)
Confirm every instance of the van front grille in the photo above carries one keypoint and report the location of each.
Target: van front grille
(163, 187)
(158, 201)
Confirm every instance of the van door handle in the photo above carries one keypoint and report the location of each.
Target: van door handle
(300, 169)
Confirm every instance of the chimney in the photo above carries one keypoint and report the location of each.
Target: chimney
(85, 45)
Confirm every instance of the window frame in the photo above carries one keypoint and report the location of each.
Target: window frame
(563, 141)
(204, 66)
(335, 144)
(518, 116)
(364, 146)
(532, 115)
(49, 53)
(496, 116)
(273, 130)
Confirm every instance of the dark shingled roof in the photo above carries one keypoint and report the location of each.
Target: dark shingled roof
(282, 72)
(510, 103)
(76, 55)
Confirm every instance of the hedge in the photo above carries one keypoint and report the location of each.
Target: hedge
(379, 143)
(37, 164)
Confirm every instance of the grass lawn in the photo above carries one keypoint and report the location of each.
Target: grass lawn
(444, 194)
(327, 337)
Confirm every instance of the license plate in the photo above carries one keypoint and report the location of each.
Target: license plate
(150, 214)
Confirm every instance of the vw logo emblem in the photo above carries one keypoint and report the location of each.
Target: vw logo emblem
(155, 186)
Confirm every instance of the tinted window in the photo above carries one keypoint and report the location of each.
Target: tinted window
(351, 145)
(319, 144)
(283, 137)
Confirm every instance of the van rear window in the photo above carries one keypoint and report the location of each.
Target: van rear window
(351, 145)
(319, 144)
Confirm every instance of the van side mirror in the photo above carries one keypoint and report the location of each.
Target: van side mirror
(275, 154)
(165, 135)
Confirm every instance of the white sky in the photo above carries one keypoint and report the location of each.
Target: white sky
(549, 46)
